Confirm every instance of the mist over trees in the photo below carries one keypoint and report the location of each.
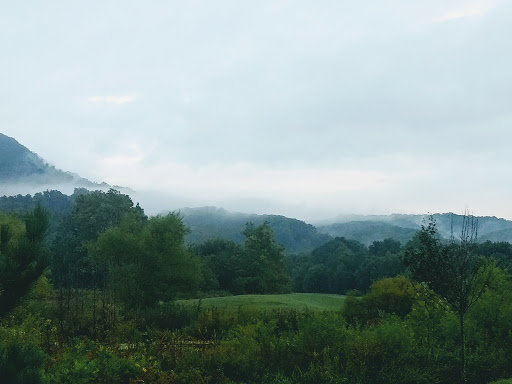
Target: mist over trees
(208, 223)
(26, 170)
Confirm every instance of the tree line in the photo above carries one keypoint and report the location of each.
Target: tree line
(105, 278)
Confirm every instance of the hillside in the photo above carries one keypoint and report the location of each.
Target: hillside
(367, 232)
(496, 236)
(23, 171)
(367, 228)
(297, 236)
(209, 222)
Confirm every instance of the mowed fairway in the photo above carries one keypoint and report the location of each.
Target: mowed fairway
(312, 301)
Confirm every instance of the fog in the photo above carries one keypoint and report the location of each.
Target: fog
(286, 107)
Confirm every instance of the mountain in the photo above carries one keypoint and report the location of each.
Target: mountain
(23, 171)
(297, 236)
(400, 220)
(367, 232)
(209, 222)
(367, 228)
(496, 236)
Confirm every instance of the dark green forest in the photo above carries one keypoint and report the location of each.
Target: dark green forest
(92, 290)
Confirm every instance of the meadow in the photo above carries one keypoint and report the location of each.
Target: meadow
(297, 301)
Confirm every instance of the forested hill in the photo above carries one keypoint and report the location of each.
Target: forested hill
(20, 167)
(367, 228)
(366, 232)
(210, 222)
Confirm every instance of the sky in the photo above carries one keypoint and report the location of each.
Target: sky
(299, 108)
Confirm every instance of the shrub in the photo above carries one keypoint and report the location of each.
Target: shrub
(85, 363)
(20, 363)
(171, 315)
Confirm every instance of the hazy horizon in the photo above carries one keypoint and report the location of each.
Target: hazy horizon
(155, 203)
(279, 107)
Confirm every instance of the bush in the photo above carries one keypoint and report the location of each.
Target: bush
(391, 296)
(20, 363)
(85, 363)
(171, 315)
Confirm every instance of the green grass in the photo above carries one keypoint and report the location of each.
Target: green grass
(313, 301)
(504, 381)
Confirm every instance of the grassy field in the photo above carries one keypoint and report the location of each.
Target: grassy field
(313, 301)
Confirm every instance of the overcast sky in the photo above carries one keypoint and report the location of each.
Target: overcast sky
(307, 109)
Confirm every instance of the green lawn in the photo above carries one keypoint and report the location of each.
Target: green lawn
(313, 301)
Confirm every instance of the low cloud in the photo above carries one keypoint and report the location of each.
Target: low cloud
(112, 99)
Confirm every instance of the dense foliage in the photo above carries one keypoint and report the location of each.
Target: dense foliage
(93, 299)
(342, 265)
(209, 223)
(256, 267)
(23, 256)
(454, 271)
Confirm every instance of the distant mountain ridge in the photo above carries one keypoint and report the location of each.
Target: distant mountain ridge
(207, 223)
(298, 236)
(23, 171)
(367, 232)
(368, 228)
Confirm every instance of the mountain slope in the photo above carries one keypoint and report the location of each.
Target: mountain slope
(209, 222)
(21, 168)
(399, 226)
(367, 232)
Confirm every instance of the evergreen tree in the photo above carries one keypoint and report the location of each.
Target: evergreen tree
(23, 256)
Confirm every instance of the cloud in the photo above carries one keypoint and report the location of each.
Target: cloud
(112, 99)
(309, 101)
(473, 9)
(214, 182)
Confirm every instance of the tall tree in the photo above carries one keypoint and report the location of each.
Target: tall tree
(261, 268)
(23, 256)
(92, 214)
(454, 270)
(340, 259)
(146, 261)
(222, 256)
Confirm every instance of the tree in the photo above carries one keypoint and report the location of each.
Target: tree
(261, 268)
(342, 258)
(380, 248)
(383, 261)
(92, 214)
(146, 261)
(23, 256)
(316, 279)
(500, 251)
(222, 257)
(72, 271)
(454, 270)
